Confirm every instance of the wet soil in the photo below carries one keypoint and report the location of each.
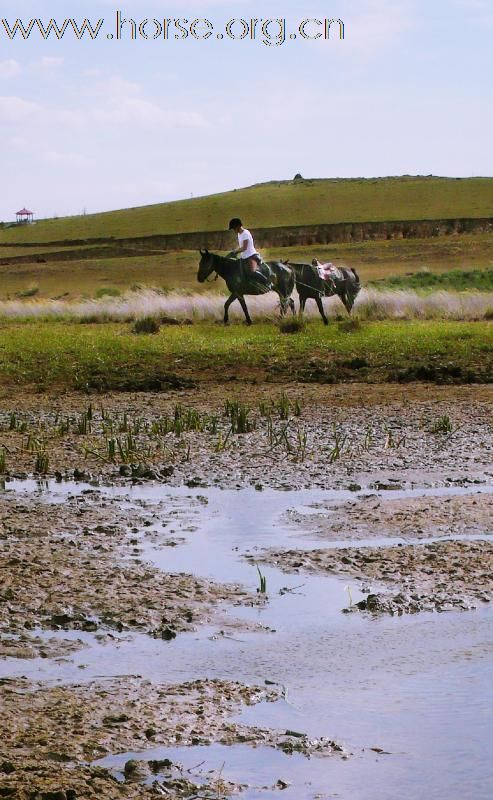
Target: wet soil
(75, 565)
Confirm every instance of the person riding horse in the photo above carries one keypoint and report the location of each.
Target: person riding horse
(249, 257)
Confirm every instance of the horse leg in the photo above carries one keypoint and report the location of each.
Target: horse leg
(350, 298)
(245, 310)
(283, 302)
(292, 306)
(227, 304)
(302, 304)
(346, 302)
(319, 303)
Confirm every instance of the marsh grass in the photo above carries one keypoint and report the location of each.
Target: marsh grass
(262, 588)
(443, 425)
(42, 462)
(239, 415)
(337, 447)
(391, 441)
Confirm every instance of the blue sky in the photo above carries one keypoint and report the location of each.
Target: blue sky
(96, 125)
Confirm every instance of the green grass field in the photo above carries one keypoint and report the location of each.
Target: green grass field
(278, 204)
(43, 356)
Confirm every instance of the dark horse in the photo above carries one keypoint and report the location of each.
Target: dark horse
(310, 286)
(240, 282)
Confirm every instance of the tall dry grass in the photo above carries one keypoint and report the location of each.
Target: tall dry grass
(371, 304)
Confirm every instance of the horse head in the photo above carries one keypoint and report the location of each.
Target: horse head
(206, 265)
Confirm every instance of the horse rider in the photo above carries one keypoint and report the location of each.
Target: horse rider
(248, 254)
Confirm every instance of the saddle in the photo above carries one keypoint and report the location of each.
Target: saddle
(249, 277)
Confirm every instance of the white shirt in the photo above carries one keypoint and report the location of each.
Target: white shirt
(250, 251)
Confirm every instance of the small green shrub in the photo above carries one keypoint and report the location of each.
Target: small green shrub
(292, 325)
(31, 291)
(108, 291)
(146, 325)
(349, 326)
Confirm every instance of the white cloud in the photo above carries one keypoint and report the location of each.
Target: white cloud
(15, 109)
(9, 68)
(66, 159)
(50, 62)
(476, 11)
(19, 142)
(139, 111)
(123, 102)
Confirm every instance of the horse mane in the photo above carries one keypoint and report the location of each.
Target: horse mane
(224, 260)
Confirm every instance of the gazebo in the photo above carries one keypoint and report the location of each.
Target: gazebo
(24, 217)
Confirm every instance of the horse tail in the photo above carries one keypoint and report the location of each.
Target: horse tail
(356, 276)
(284, 278)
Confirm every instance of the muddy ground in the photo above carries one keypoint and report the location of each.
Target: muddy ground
(77, 564)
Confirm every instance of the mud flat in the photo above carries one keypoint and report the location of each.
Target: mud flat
(390, 513)
(142, 654)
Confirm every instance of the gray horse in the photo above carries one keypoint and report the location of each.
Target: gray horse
(240, 282)
(310, 286)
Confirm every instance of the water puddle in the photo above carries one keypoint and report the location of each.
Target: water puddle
(415, 687)
(263, 772)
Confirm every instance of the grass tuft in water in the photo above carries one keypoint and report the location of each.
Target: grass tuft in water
(443, 425)
(262, 588)
(238, 414)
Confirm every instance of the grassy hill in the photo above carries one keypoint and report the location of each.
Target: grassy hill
(275, 204)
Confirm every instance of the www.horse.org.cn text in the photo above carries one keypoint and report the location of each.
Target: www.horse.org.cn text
(272, 32)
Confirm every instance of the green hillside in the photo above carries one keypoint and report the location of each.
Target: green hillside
(273, 204)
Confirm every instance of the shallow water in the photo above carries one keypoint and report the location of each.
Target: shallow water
(417, 687)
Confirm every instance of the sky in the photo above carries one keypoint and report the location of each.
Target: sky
(94, 125)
